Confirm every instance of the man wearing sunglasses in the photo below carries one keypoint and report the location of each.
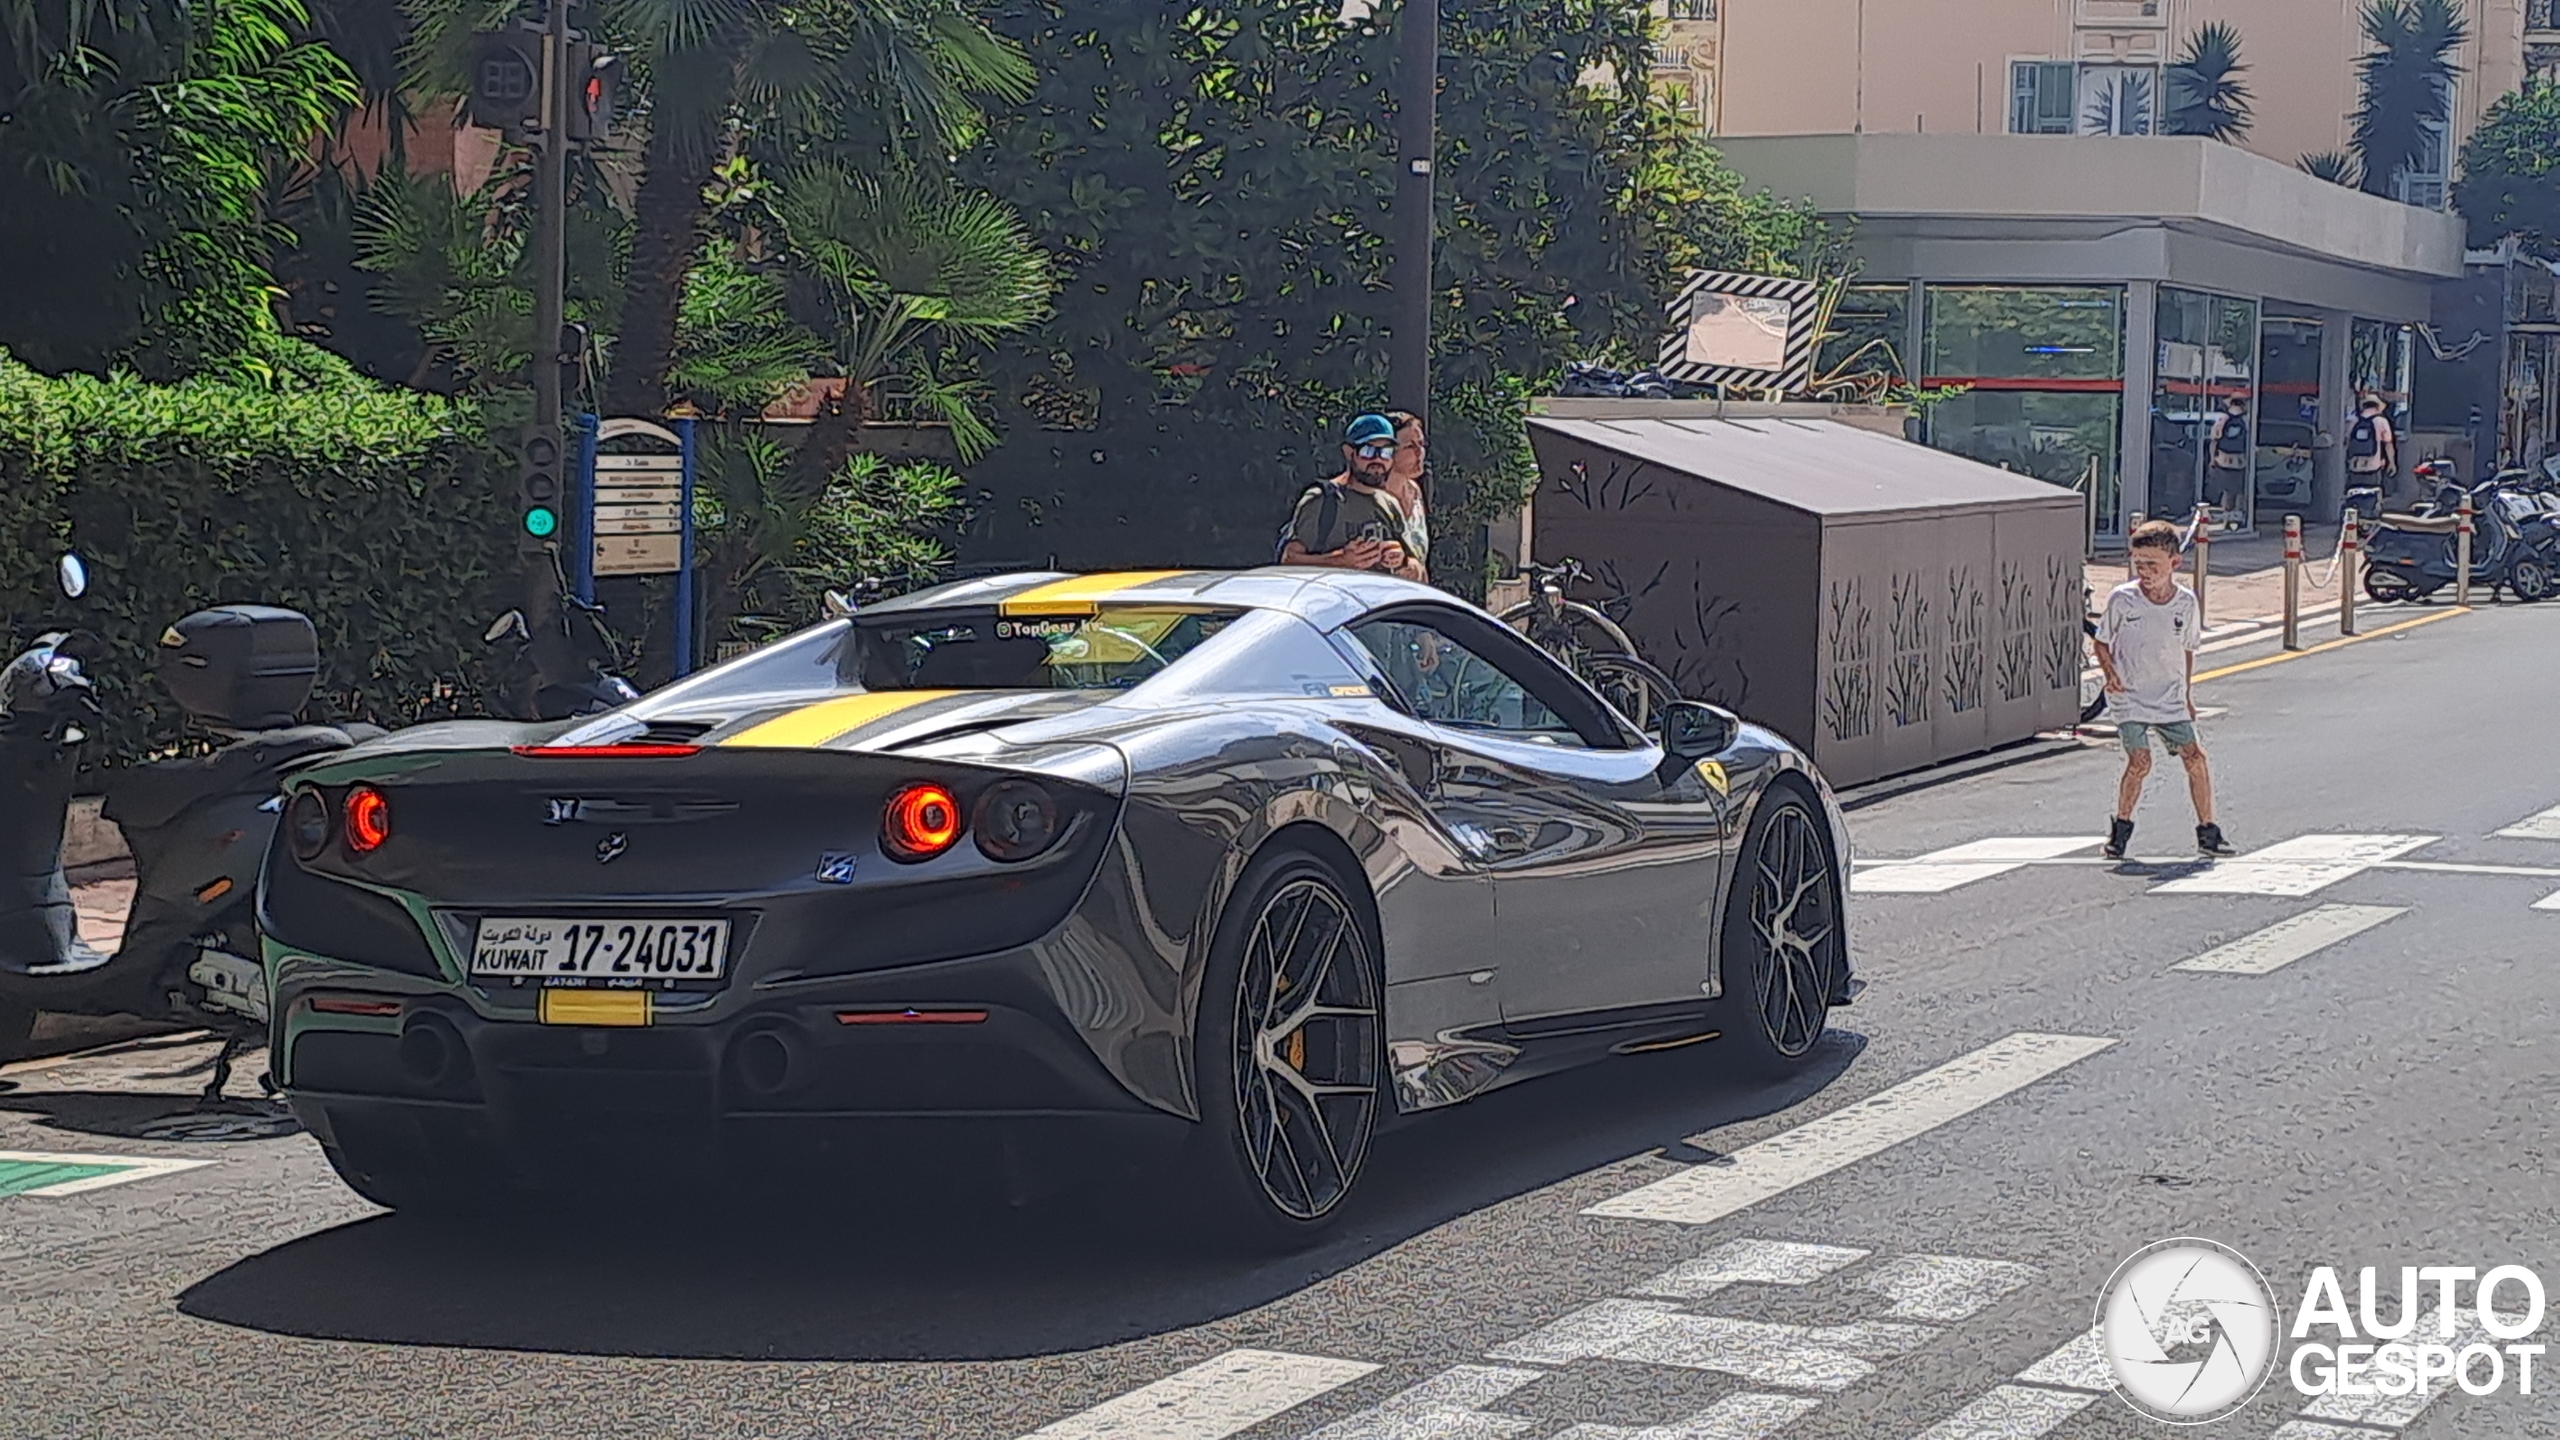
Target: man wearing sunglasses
(1351, 522)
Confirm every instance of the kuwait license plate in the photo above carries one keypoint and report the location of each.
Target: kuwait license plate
(600, 952)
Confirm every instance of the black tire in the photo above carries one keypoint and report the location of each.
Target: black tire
(2386, 586)
(1632, 687)
(1776, 998)
(1287, 1109)
(2531, 579)
(17, 1025)
(391, 1165)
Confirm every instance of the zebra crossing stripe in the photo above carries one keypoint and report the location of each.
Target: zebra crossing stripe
(2302, 865)
(2045, 1394)
(1702, 1194)
(1214, 1399)
(1956, 865)
(2542, 825)
(2290, 939)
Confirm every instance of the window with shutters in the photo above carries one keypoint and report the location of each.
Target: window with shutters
(2044, 96)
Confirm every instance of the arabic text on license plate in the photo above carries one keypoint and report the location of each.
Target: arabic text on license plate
(601, 952)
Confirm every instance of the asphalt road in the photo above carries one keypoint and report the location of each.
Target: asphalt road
(2383, 1099)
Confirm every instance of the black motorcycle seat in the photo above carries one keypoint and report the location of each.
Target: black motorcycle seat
(151, 794)
(2422, 524)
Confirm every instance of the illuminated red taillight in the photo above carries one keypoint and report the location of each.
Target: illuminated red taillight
(350, 1005)
(923, 820)
(368, 819)
(596, 752)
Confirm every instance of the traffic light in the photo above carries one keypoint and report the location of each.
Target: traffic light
(506, 81)
(538, 487)
(599, 80)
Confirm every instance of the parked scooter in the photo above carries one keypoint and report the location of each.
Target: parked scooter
(575, 669)
(198, 827)
(2411, 556)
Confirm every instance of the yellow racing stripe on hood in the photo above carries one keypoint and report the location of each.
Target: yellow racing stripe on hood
(811, 726)
(1079, 594)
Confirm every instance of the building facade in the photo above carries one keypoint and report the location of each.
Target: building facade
(2086, 67)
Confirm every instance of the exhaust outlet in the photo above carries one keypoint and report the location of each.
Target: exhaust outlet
(432, 1053)
(764, 1061)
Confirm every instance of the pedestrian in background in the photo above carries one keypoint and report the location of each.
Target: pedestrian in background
(1409, 480)
(2230, 442)
(1351, 521)
(2373, 451)
(2146, 642)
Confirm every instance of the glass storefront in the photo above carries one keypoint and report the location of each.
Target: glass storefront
(1869, 331)
(2288, 412)
(2043, 371)
(2203, 405)
(2379, 358)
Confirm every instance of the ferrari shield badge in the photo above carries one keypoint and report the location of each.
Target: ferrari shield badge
(1712, 771)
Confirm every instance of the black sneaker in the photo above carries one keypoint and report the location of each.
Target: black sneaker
(2209, 841)
(2119, 835)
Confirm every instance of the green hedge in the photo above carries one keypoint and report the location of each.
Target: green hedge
(290, 480)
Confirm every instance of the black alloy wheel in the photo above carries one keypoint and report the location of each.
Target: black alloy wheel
(1783, 942)
(1290, 1048)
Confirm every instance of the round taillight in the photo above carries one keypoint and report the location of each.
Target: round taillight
(1016, 820)
(368, 819)
(923, 820)
(306, 823)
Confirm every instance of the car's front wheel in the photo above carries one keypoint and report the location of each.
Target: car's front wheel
(1783, 945)
(1289, 1050)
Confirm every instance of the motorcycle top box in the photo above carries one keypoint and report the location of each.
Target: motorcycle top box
(240, 667)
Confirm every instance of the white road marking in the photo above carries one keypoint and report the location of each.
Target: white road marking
(2314, 1430)
(2548, 902)
(128, 1169)
(2542, 825)
(2290, 939)
(2079, 1365)
(1744, 1416)
(1448, 1406)
(1943, 1288)
(2300, 866)
(1749, 1262)
(1214, 1399)
(2460, 867)
(1702, 1194)
(1801, 1357)
(1956, 865)
(2012, 1412)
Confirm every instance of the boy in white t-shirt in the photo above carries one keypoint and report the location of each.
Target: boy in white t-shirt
(2147, 639)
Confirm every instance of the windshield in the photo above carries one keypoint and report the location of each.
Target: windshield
(1114, 648)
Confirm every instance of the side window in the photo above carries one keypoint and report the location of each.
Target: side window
(1448, 683)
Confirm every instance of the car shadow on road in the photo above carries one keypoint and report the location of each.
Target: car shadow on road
(945, 1281)
(148, 1115)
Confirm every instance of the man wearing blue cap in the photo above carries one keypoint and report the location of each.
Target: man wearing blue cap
(1351, 522)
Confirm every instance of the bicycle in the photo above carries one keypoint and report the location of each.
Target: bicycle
(1590, 644)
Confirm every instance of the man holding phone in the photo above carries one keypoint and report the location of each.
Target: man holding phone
(1351, 521)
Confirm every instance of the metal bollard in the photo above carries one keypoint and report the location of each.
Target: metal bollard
(2350, 560)
(2462, 552)
(2204, 561)
(2293, 582)
(2130, 526)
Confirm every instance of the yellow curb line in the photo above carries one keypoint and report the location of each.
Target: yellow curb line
(2279, 659)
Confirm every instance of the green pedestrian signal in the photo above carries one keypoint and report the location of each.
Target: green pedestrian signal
(540, 521)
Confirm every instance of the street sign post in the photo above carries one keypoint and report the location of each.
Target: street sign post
(636, 513)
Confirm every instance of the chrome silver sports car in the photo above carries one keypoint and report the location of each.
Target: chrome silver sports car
(1256, 858)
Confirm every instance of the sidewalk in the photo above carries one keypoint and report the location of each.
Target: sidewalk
(2248, 576)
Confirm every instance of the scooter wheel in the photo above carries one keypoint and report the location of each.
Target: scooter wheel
(2531, 580)
(2385, 586)
(17, 1024)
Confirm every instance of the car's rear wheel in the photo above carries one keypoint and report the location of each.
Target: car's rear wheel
(17, 1024)
(1783, 943)
(1289, 1047)
(391, 1165)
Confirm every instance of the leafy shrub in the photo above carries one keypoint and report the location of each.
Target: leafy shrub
(285, 479)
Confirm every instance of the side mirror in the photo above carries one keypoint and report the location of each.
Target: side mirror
(1694, 730)
(839, 605)
(72, 574)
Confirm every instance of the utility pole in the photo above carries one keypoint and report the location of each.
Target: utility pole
(1417, 87)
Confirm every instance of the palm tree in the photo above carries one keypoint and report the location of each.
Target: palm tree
(2335, 166)
(2205, 94)
(2408, 80)
(900, 264)
(888, 77)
